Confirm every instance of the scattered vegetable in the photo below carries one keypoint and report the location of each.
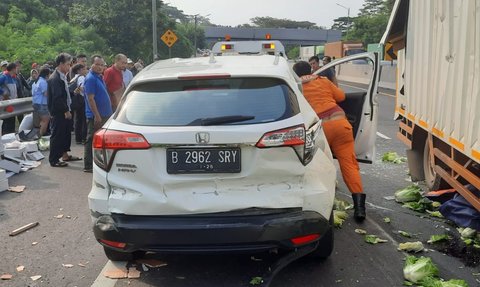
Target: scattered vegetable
(467, 232)
(417, 269)
(373, 239)
(360, 231)
(386, 220)
(408, 194)
(438, 237)
(404, 234)
(416, 246)
(256, 281)
(341, 205)
(393, 157)
(435, 282)
(436, 204)
(339, 217)
(435, 214)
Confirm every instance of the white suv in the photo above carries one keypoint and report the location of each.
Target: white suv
(213, 154)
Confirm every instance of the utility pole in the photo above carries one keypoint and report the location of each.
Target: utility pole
(154, 29)
(195, 35)
(348, 16)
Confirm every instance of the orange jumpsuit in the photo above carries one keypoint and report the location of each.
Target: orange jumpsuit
(323, 96)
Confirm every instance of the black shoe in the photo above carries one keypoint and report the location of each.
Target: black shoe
(359, 205)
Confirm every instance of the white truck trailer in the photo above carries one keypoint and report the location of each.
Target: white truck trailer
(438, 90)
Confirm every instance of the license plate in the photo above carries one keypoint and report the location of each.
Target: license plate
(203, 160)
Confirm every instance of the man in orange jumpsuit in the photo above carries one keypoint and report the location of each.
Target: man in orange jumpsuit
(323, 96)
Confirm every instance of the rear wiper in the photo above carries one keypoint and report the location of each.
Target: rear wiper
(220, 120)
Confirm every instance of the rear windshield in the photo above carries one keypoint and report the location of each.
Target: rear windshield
(231, 101)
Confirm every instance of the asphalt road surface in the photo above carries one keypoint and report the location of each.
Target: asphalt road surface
(52, 192)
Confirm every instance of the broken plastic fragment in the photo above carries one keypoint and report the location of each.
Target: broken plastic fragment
(36, 277)
(20, 268)
(67, 265)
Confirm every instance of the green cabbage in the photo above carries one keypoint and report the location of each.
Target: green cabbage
(339, 217)
(438, 237)
(416, 246)
(393, 157)
(408, 194)
(417, 269)
(373, 239)
(434, 282)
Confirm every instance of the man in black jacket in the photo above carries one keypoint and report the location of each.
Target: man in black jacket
(59, 102)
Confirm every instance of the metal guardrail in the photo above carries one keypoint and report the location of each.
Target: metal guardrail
(15, 107)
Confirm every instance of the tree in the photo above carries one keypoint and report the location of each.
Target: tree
(343, 24)
(369, 25)
(270, 22)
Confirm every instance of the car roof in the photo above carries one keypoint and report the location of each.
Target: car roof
(235, 66)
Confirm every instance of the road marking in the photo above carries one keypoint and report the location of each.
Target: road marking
(103, 281)
(385, 94)
(383, 136)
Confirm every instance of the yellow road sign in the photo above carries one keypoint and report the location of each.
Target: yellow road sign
(389, 52)
(169, 38)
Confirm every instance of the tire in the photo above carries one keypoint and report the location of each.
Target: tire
(326, 243)
(433, 181)
(118, 255)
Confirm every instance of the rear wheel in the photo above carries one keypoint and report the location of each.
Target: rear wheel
(118, 255)
(432, 179)
(325, 245)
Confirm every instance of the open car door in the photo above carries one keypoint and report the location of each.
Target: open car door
(357, 76)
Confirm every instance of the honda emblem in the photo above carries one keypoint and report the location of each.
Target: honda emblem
(202, 137)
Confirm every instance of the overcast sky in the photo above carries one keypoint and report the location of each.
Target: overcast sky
(233, 13)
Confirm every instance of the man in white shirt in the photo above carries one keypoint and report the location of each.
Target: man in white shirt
(127, 74)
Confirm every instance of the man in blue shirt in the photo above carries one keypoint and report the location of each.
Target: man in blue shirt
(98, 107)
(8, 91)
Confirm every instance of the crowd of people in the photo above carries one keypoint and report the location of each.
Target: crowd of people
(68, 96)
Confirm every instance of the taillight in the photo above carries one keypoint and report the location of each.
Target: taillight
(113, 243)
(107, 142)
(302, 240)
(293, 136)
(302, 141)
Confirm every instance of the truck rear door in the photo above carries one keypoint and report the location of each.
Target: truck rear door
(358, 76)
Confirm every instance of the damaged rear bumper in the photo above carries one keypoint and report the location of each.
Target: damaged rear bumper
(209, 232)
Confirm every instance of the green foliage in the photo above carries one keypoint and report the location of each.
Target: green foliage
(294, 53)
(369, 25)
(31, 40)
(270, 22)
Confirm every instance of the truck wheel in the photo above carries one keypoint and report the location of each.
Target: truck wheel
(432, 179)
(325, 245)
(117, 255)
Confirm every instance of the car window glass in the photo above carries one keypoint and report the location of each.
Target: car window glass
(181, 102)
